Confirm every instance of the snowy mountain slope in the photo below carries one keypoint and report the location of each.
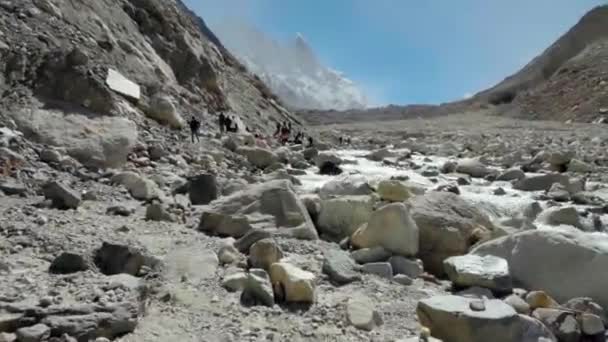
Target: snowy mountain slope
(291, 70)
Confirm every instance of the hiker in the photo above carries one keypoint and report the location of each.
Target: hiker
(284, 134)
(341, 140)
(222, 123)
(278, 130)
(235, 127)
(310, 142)
(195, 126)
(298, 138)
(227, 123)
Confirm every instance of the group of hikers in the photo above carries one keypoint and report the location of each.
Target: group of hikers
(229, 123)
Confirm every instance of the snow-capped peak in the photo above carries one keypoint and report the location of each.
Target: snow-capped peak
(291, 70)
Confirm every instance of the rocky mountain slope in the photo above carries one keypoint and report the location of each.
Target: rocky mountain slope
(291, 70)
(569, 80)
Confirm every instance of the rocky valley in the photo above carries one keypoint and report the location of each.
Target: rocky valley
(116, 226)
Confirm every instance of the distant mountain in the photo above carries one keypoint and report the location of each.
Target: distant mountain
(291, 70)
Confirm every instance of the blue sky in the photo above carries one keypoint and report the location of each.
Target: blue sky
(412, 51)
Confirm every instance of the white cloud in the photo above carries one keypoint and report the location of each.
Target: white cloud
(467, 96)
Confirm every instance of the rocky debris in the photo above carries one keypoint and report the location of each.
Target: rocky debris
(61, 196)
(140, 187)
(587, 305)
(412, 268)
(67, 263)
(294, 285)
(390, 227)
(472, 270)
(381, 269)
(272, 205)
(264, 253)
(361, 313)
(536, 261)
(451, 318)
(158, 212)
(473, 168)
(259, 157)
(162, 109)
(448, 226)
(393, 191)
(340, 217)
(346, 185)
(541, 182)
(34, 333)
(203, 189)
(339, 267)
(114, 259)
(562, 324)
(367, 255)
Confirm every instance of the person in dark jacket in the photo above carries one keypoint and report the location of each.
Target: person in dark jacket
(195, 126)
(222, 119)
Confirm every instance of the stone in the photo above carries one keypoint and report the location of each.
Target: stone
(514, 174)
(119, 210)
(228, 254)
(259, 157)
(49, 8)
(140, 187)
(340, 217)
(472, 270)
(449, 167)
(67, 263)
(264, 253)
(158, 212)
(390, 227)
(330, 169)
(271, 205)
(382, 269)
(393, 191)
(541, 182)
(476, 292)
(114, 259)
(559, 158)
(339, 267)
(403, 279)
(499, 192)
(235, 282)
(473, 168)
(203, 189)
(518, 303)
(563, 324)
(540, 299)
(379, 155)
(326, 157)
(361, 313)
(122, 85)
(558, 193)
(11, 187)
(412, 268)
(297, 286)
(246, 241)
(10, 321)
(585, 304)
(591, 324)
(61, 196)
(556, 216)
(346, 185)
(450, 318)
(578, 166)
(448, 226)
(258, 289)
(367, 255)
(536, 260)
(49, 155)
(34, 333)
(162, 109)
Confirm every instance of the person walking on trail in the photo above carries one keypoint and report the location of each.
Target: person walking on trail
(278, 130)
(284, 134)
(222, 119)
(195, 126)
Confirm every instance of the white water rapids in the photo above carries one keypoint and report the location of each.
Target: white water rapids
(480, 192)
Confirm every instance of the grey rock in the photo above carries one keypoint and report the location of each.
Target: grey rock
(367, 255)
(472, 270)
(34, 333)
(340, 217)
(258, 289)
(67, 263)
(563, 324)
(264, 253)
(61, 196)
(403, 279)
(412, 268)
(592, 325)
(556, 216)
(541, 183)
(158, 212)
(476, 292)
(511, 174)
(339, 267)
(246, 241)
(202, 189)
(518, 303)
(558, 193)
(114, 259)
(586, 304)
(12, 187)
(382, 269)
(361, 313)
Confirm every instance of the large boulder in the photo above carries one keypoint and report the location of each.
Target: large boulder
(100, 142)
(294, 284)
(461, 319)
(340, 217)
(346, 185)
(556, 216)
(393, 191)
(61, 195)
(139, 187)
(448, 226)
(271, 206)
(203, 189)
(473, 168)
(162, 109)
(259, 157)
(391, 227)
(566, 264)
(472, 270)
(327, 157)
(541, 182)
